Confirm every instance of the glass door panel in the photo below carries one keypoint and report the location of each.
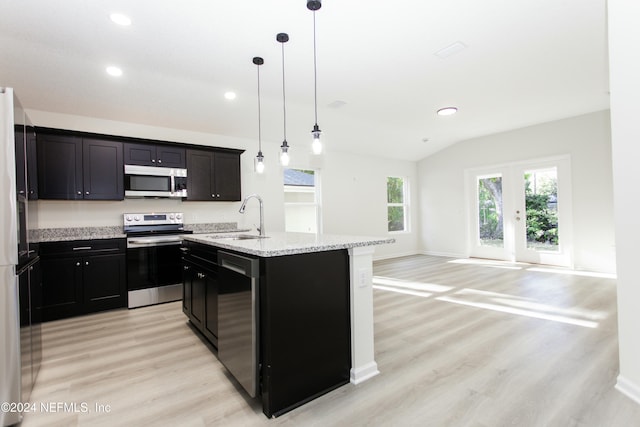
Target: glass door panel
(490, 211)
(541, 207)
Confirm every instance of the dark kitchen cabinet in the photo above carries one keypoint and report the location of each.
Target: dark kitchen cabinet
(26, 163)
(200, 290)
(163, 155)
(71, 167)
(32, 164)
(213, 175)
(60, 167)
(306, 345)
(82, 276)
(103, 169)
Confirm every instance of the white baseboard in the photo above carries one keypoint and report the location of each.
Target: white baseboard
(445, 254)
(393, 255)
(628, 388)
(364, 373)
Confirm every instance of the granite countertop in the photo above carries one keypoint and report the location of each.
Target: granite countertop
(117, 232)
(278, 243)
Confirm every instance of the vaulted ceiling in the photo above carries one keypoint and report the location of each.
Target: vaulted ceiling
(383, 67)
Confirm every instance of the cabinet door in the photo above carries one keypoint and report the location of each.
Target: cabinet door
(171, 157)
(103, 169)
(140, 154)
(227, 176)
(61, 287)
(211, 308)
(104, 282)
(198, 295)
(200, 175)
(21, 162)
(188, 274)
(32, 165)
(60, 167)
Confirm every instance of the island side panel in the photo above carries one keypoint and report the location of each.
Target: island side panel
(305, 327)
(363, 364)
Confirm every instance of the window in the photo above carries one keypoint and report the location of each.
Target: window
(397, 204)
(301, 196)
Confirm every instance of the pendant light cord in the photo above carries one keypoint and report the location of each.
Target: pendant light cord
(284, 102)
(315, 69)
(259, 114)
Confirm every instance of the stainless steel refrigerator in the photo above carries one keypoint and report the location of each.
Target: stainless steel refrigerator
(20, 284)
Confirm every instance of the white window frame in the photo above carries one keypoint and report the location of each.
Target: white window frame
(317, 197)
(404, 205)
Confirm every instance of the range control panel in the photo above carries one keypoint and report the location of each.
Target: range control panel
(153, 218)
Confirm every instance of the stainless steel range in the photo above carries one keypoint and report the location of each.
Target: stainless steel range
(154, 269)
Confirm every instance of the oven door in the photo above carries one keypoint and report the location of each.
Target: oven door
(154, 271)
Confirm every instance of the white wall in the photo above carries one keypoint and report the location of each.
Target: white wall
(443, 209)
(353, 187)
(624, 69)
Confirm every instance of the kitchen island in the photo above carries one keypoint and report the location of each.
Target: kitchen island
(308, 299)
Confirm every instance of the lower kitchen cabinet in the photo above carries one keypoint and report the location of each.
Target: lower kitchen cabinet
(82, 276)
(200, 291)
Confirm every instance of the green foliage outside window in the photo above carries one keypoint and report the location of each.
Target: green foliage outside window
(395, 201)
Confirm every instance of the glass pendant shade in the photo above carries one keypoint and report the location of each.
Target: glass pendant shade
(284, 154)
(316, 145)
(259, 162)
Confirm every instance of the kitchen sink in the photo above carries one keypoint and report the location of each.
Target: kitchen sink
(248, 237)
(238, 237)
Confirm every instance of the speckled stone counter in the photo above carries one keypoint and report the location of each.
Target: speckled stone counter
(278, 244)
(115, 232)
(76, 233)
(214, 227)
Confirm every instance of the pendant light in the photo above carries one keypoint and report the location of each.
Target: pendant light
(316, 145)
(259, 163)
(284, 148)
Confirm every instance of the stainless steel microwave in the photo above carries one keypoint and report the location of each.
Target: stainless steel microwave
(154, 181)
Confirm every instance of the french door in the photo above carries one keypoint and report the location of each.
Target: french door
(521, 212)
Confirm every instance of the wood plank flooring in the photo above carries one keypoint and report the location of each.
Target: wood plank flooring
(457, 344)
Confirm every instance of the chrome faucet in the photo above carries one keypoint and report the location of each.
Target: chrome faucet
(244, 205)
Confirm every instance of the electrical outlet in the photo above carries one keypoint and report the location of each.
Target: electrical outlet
(362, 277)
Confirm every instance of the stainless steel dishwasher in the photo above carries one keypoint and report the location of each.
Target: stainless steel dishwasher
(238, 317)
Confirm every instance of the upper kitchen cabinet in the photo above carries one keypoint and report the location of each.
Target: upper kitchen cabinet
(72, 167)
(154, 155)
(213, 175)
(26, 163)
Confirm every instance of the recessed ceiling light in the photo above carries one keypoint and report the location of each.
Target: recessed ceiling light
(114, 71)
(450, 50)
(447, 111)
(230, 95)
(120, 19)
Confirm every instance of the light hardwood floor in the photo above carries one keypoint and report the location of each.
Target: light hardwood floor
(487, 344)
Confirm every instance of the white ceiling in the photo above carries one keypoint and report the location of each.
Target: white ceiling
(526, 62)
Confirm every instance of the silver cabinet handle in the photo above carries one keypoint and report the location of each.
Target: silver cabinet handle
(79, 193)
(77, 264)
(86, 263)
(82, 248)
(86, 192)
(186, 267)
